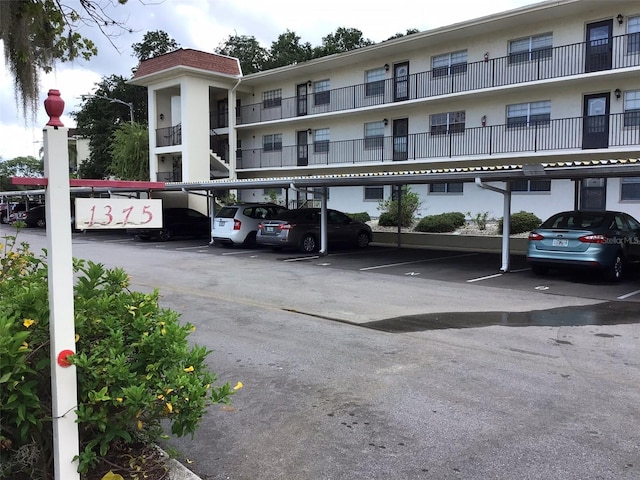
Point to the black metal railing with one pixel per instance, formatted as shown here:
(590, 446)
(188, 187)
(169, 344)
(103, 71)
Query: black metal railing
(563, 61)
(578, 133)
(169, 136)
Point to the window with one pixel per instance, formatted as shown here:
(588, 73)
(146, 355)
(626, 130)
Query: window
(272, 143)
(272, 98)
(630, 188)
(536, 47)
(527, 114)
(632, 108)
(270, 191)
(321, 140)
(450, 187)
(452, 122)
(373, 193)
(374, 82)
(449, 64)
(633, 35)
(531, 186)
(373, 135)
(322, 95)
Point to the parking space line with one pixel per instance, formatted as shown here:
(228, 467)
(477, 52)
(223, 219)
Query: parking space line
(496, 275)
(520, 270)
(191, 248)
(417, 261)
(297, 259)
(624, 297)
(240, 252)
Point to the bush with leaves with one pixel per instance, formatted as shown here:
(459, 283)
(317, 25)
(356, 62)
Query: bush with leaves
(521, 222)
(360, 217)
(409, 206)
(442, 223)
(136, 370)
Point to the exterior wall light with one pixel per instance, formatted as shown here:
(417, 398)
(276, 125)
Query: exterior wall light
(162, 116)
(386, 67)
(620, 19)
(386, 122)
(617, 92)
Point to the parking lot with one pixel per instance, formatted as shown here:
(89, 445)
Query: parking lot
(473, 268)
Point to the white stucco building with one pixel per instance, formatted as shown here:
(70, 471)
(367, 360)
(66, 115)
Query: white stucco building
(549, 94)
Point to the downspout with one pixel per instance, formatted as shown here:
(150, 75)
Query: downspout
(323, 216)
(233, 142)
(506, 220)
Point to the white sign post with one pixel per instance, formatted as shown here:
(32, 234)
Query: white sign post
(64, 387)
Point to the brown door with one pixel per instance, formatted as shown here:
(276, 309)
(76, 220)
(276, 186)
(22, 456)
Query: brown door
(401, 81)
(301, 99)
(595, 129)
(303, 148)
(599, 45)
(400, 138)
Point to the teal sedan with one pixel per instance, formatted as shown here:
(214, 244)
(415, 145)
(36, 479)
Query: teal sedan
(604, 240)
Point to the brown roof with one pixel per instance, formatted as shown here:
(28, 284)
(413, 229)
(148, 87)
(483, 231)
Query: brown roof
(189, 58)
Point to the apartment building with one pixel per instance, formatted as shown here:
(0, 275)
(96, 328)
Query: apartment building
(548, 94)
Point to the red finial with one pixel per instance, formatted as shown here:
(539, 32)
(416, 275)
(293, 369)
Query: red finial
(54, 106)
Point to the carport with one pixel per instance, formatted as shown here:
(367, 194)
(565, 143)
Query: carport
(482, 176)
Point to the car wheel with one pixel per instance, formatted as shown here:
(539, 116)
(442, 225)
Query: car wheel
(539, 269)
(309, 244)
(41, 223)
(362, 240)
(165, 234)
(250, 241)
(615, 271)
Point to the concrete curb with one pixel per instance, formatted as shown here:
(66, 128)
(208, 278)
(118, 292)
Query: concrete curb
(437, 241)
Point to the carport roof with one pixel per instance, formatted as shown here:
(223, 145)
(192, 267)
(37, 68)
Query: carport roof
(629, 167)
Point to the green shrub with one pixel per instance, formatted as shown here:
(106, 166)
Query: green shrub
(136, 371)
(521, 222)
(389, 208)
(360, 216)
(457, 218)
(436, 224)
(480, 219)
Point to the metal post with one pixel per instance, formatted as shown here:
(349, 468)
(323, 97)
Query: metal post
(60, 270)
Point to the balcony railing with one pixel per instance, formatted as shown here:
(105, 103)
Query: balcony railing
(569, 60)
(169, 136)
(619, 130)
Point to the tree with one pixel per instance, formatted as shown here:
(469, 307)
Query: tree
(99, 118)
(410, 31)
(19, 167)
(154, 44)
(287, 50)
(247, 50)
(37, 33)
(130, 152)
(343, 40)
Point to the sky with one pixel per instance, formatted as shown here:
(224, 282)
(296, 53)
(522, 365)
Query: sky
(204, 25)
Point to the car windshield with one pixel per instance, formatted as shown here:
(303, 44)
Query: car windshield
(227, 212)
(576, 221)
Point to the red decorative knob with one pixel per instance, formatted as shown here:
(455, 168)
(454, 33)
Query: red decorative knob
(63, 358)
(54, 106)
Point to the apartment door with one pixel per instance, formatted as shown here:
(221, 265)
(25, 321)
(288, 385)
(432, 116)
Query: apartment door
(593, 194)
(599, 46)
(303, 148)
(595, 126)
(401, 81)
(301, 99)
(400, 138)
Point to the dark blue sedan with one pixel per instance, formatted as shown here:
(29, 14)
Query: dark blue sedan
(604, 240)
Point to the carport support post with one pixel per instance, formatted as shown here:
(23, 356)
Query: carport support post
(399, 214)
(506, 219)
(323, 222)
(64, 390)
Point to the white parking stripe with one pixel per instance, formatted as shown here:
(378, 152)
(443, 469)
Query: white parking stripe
(624, 297)
(417, 261)
(297, 259)
(485, 278)
(241, 252)
(191, 248)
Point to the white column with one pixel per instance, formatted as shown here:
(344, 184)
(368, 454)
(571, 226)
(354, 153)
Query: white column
(61, 319)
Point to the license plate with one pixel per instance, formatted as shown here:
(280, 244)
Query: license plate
(560, 242)
(269, 229)
(221, 223)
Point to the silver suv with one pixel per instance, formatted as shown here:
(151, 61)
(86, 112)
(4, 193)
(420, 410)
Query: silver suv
(238, 223)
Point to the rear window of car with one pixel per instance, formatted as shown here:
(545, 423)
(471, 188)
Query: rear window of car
(297, 215)
(575, 221)
(227, 212)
